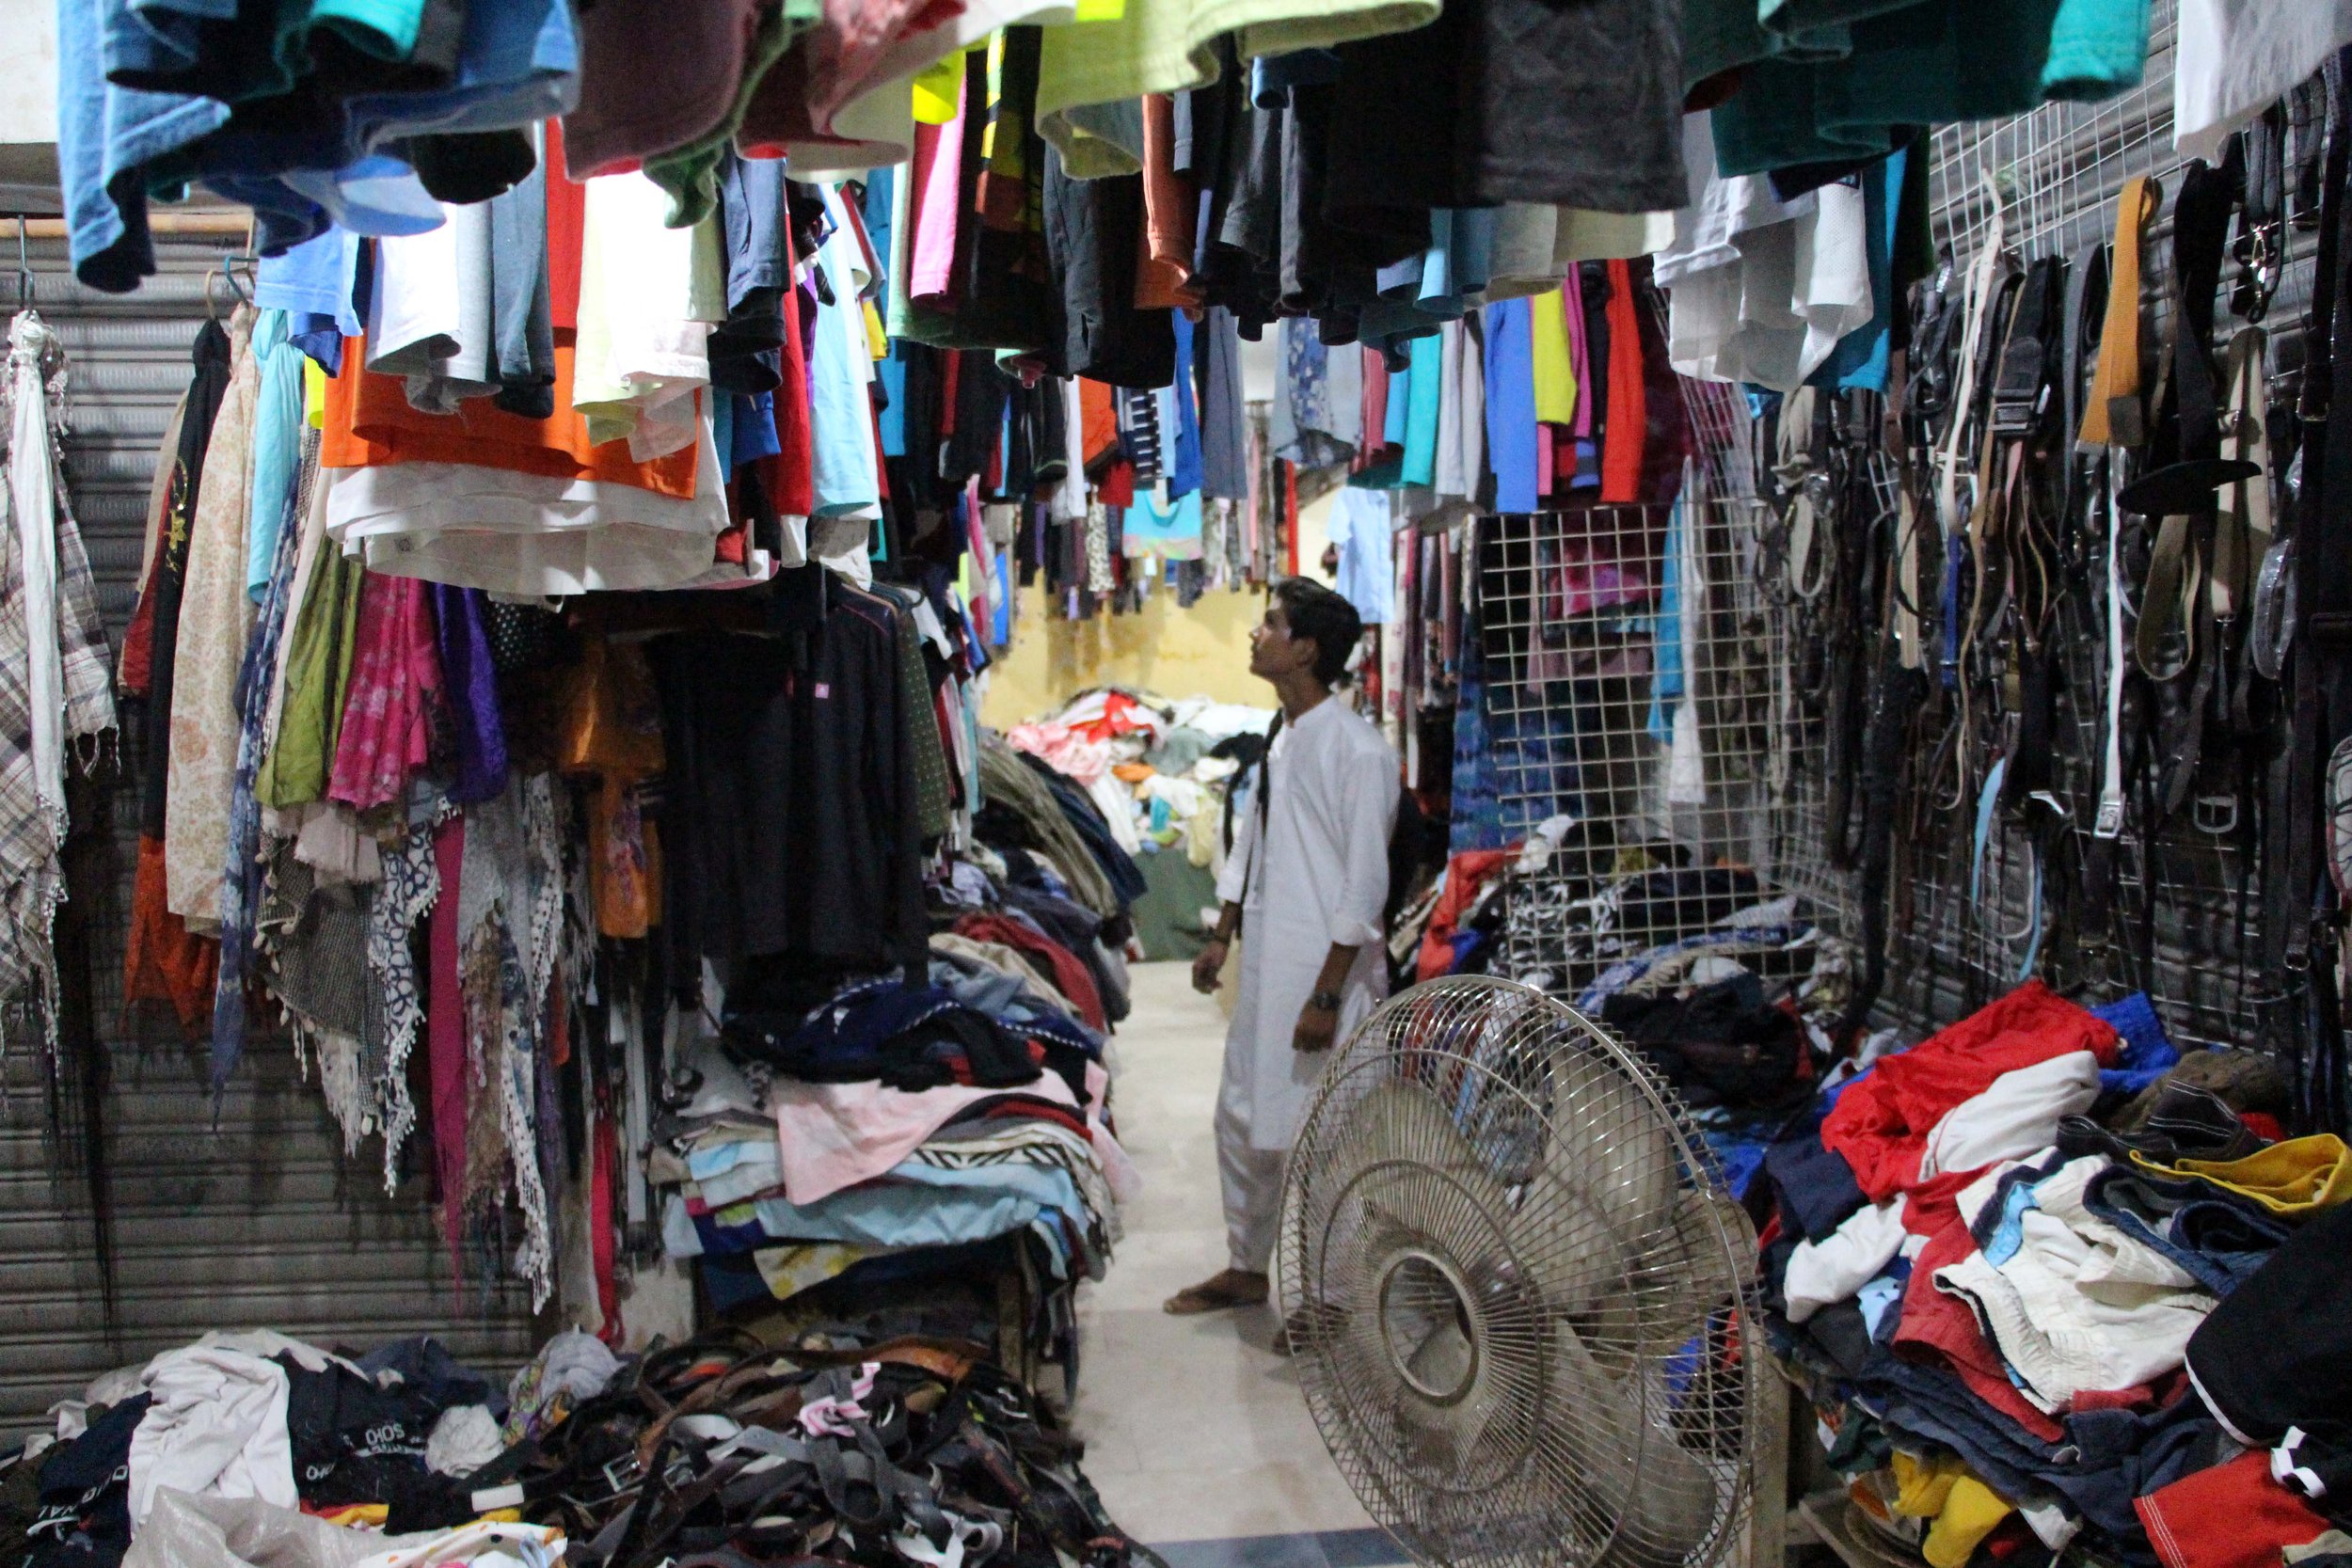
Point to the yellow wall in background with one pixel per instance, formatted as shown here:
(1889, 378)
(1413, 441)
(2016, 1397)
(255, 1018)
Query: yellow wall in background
(1200, 652)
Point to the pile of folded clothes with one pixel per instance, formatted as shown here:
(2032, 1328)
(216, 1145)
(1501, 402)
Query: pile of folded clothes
(252, 1448)
(2053, 1284)
(889, 1134)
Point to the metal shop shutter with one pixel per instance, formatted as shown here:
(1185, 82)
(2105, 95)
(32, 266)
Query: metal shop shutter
(259, 1220)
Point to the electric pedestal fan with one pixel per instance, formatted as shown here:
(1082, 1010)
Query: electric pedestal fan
(1517, 1294)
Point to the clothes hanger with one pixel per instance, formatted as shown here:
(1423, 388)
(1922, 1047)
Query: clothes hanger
(229, 263)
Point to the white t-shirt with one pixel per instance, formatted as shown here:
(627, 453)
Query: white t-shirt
(1760, 290)
(2235, 57)
(649, 296)
(429, 312)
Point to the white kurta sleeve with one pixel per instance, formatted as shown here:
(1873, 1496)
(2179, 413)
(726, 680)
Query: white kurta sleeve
(1367, 796)
(1232, 884)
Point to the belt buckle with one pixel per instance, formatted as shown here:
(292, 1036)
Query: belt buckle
(2110, 823)
(624, 1474)
(2216, 814)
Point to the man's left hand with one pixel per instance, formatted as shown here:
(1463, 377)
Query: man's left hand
(1318, 1027)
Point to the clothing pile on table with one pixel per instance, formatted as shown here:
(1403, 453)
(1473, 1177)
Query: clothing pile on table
(922, 1123)
(2046, 1279)
(251, 1446)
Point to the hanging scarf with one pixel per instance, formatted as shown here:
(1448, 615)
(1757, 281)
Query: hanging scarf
(470, 680)
(241, 881)
(410, 890)
(394, 694)
(211, 636)
(510, 909)
(55, 685)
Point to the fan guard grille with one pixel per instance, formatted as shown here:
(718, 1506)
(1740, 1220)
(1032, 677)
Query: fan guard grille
(1518, 1292)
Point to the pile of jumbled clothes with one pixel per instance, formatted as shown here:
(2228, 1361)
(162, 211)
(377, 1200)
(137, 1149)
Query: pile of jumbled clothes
(1158, 770)
(252, 1448)
(1728, 988)
(2052, 1282)
(1046, 860)
(1578, 912)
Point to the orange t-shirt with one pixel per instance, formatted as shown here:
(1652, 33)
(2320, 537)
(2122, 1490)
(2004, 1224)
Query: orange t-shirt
(369, 423)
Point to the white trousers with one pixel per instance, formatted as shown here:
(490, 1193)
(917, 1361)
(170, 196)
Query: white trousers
(1251, 1180)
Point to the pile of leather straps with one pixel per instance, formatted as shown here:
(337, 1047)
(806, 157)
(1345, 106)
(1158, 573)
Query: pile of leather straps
(2075, 600)
(726, 1452)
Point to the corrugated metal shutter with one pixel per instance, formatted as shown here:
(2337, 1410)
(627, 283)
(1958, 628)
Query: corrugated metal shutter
(257, 1220)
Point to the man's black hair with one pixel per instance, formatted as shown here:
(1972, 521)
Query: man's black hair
(1325, 618)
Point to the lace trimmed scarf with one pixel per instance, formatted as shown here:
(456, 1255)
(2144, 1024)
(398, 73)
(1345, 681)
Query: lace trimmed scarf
(55, 684)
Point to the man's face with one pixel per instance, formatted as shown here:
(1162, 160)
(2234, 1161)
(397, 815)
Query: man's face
(1272, 649)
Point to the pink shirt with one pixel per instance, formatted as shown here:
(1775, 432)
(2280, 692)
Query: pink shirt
(937, 172)
(835, 1135)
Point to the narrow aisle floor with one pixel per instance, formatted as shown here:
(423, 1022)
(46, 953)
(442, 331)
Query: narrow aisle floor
(1196, 1430)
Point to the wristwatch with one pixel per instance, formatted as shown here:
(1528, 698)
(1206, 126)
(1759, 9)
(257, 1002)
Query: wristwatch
(1324, 1001)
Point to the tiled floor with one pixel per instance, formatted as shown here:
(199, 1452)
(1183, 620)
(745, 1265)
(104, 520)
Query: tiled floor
(1196, 1433)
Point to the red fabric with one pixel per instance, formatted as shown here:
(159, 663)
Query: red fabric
(1119, 718)
(1880, 1123)
(2231, 1516)
(600, 1246)
(568, 211)
(1465, 874)
(950, 383)
(791, 474)
(1375, 404)
(1098, 423)
(1289, 511)
(1062, 965)
(139, 645)
(1563, 459)
(1116, 487)
(137, 669)
(1037, 1110)
(1629, 405)
(734, 541)
(2263, 1125)
(164, 963)
(1939, 1328)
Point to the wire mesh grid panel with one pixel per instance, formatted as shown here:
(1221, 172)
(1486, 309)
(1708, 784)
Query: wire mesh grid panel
(1630, 704)
(1985, 892)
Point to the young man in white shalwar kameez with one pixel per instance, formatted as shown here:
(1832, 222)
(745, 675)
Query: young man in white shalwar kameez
(1307, 884)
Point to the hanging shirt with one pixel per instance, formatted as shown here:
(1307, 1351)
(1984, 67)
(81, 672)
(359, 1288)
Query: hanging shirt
(649, 296)
(1511, 427)
(840, 372)
(210, 638)
(1170, 45)
(1316, 874)
(1760, 290)
(277, 426)
(1360, 527)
